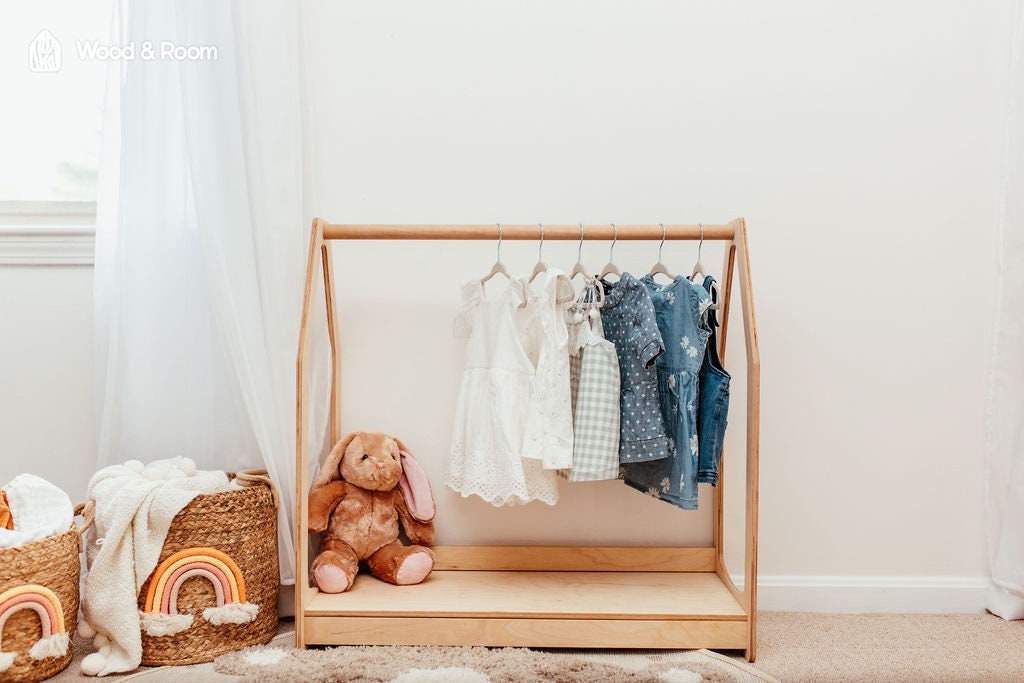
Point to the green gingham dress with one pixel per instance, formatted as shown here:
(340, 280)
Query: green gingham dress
(594, 384)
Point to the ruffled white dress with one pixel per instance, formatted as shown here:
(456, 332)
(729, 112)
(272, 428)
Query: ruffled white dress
(549, 431)
(494, 399)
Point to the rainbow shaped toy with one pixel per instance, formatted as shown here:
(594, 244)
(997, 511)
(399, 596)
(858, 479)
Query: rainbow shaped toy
(160, 615)
(45, 603)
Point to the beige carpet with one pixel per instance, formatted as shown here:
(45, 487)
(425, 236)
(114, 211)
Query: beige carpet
(797, 646)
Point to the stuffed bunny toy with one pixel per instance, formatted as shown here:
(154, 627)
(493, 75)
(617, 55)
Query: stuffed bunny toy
(370, 482)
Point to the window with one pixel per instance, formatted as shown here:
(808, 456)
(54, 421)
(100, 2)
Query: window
(52, 106)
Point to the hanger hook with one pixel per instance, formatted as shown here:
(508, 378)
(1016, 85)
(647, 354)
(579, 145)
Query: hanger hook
(499, 242)
(540, 247)
(579, 249)
(662, 245)
(700, 245)
(615, 238)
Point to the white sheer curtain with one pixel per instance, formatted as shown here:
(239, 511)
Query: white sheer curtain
(1005, 457)
(201, 243)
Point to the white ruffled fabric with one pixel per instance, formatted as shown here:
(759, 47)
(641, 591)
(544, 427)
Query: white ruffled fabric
(494, 398)
(548, 433)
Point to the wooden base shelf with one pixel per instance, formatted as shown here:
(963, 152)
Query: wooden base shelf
(534, 608)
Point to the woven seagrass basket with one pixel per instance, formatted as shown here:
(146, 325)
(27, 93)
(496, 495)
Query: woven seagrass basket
(221, 549)
(39, 603)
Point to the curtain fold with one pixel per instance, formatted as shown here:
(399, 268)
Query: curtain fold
(1004, 476)
(201, 243)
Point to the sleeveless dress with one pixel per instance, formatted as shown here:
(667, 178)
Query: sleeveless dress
(594, 383)
(545, 338)
(713, 409)
(494, 397)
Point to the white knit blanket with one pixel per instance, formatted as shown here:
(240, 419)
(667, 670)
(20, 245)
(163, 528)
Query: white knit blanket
(134, 508)
(39, 508)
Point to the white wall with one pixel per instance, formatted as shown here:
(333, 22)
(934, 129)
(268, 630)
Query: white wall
(862, 143)
(46, 375)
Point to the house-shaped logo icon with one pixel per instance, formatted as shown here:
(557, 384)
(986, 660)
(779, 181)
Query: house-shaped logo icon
(44, 53)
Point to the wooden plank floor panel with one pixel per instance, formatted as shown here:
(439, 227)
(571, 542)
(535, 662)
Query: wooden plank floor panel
(540, 595)
(495, 632)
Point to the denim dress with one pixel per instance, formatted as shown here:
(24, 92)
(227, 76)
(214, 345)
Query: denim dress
(628, 320)
(713, 410)
(681, 310)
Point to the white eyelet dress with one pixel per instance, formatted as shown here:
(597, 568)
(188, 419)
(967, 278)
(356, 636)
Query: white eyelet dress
(494, 395)
(549, 432)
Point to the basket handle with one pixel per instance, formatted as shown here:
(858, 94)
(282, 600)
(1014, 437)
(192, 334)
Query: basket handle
(257, 478)
(87, 511)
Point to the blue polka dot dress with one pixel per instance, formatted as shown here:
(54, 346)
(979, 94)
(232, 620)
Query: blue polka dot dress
(629, 322)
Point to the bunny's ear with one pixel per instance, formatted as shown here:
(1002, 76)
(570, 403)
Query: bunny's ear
(329, 469)
(415, 486)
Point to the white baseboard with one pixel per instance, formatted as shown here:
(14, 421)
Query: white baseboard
(858, 594)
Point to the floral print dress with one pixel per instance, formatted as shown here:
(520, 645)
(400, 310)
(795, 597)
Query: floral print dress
(681, 311)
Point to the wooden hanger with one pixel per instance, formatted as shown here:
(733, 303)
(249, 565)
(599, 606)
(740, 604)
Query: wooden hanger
(610, 268)
(716, 299)
(579, 268)
(660, 267)
(590, 283)
(541, 267)
(563, 283)
(698, 268)
(498, 268)
(698, 273)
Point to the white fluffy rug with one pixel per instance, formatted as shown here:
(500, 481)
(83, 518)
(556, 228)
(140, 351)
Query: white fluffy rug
(403, 664)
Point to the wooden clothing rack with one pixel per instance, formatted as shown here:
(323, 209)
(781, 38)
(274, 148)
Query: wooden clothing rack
(544, 596)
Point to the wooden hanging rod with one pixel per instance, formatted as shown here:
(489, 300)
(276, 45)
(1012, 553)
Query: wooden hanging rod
(530, 231)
